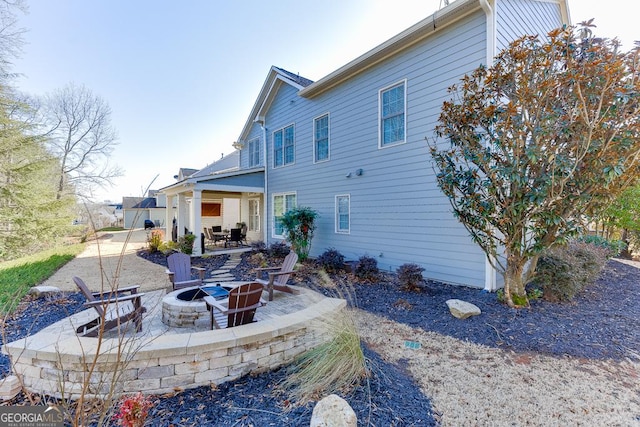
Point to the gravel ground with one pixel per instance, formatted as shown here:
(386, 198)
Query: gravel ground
(602, 324)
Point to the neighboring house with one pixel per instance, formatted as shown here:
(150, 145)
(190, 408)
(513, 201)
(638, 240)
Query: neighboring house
(352, 145)
(137, 209)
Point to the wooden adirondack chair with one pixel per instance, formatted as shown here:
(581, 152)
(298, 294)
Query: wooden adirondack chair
(241, 306)
(179, 271)
(113, 307)
(278, 276)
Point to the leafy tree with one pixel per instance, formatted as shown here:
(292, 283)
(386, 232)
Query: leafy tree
(299, 225)
(624, 214)
(547, 134)
(79, 132)
(31, 217)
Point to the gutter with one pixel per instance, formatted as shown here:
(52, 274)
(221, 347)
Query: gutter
(409, 37)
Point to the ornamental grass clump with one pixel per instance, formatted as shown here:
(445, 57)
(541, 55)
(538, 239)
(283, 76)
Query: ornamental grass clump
(334, 366)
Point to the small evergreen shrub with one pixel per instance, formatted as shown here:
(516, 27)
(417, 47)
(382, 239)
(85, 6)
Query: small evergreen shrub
(562, 272)
(278, 250)
(410, 276)
(331, 260)
(185, 243)
(367, 269)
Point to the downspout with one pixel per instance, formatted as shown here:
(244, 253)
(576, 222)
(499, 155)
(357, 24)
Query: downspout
(490, 273)
(266, 180)
(491, 29)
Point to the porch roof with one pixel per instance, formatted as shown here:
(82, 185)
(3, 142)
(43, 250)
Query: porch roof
(246, 180)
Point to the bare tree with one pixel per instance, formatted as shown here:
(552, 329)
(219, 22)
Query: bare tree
(80, 134)
(11, 40)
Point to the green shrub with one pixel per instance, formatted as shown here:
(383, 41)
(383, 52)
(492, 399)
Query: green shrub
(168, 247)
(331, 260)
(367, 269)
(562, 272)
(299, 225)
(185, 243)
(613, 247)
(410, 276)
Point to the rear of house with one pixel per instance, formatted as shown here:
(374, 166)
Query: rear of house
(354, 145)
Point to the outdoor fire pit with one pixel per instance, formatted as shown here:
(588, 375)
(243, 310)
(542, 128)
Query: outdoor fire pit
(186, 308)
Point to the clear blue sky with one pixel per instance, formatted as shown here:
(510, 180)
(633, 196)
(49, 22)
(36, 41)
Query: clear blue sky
(181, 76)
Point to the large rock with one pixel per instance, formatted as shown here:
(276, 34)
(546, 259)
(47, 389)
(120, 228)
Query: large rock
(333, 411)
(9, 387)
(462, 309)
(43, 291)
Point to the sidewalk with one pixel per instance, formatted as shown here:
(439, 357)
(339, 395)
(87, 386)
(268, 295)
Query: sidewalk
(107, 260)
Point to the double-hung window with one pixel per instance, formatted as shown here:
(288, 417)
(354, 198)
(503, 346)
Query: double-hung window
(393, 113)
(254, 152)
(254, 215)
(343, 214)
(283, 146)
(282, 203)
(321, 138)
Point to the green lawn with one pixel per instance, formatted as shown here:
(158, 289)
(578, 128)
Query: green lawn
(17, 276)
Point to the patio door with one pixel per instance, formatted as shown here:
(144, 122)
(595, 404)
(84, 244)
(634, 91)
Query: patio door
(230, 213)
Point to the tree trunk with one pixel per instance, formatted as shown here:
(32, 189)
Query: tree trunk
(514, 284)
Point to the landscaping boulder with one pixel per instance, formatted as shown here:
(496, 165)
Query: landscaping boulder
(462, 309)
(9, 387)
(43, 291)
(333, 411)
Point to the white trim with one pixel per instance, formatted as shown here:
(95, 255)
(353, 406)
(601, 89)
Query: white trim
(273, 214)
(402, 82)
(315, 146)
(273, 146)
(337, 217)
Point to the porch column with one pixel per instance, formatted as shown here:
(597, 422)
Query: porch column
(168, 218)
(182, 214)
(195, 218)
(244, 208)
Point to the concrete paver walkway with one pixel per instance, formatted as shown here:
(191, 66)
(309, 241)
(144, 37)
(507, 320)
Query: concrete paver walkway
(112, 259)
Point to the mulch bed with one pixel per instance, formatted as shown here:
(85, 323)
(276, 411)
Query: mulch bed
(603, 322)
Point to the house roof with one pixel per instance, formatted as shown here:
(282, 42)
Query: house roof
(138, 202)
(276, 77)
(412, 35)
(227, 163)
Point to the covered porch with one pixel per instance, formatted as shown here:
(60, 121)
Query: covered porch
(222, 199)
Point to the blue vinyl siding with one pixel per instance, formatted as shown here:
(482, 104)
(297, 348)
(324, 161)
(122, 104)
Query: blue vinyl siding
(397, 214)
(541, 17)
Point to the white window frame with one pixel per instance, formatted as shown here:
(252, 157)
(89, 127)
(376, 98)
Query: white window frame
(381, 118)
(315, 141)
(273, 210)
(253, 145)
(337, 216)
(256, 215)
(293, 145)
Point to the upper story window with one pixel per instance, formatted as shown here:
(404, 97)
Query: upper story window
(393, 112)
(282, 203)
(283, 146)
(321, 138)
(343, 214)
(253, 147)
